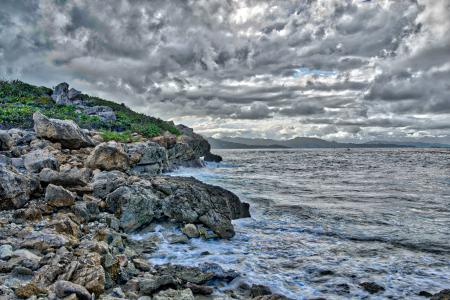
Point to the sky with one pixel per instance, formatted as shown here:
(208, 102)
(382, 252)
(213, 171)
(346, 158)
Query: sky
(345, 70)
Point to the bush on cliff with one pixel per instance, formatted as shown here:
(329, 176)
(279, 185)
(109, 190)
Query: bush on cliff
(19, 100)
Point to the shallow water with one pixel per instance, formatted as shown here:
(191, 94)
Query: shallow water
(324, 218)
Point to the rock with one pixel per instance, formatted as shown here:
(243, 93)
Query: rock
(147, 158)
(212, 157)
(425, 294)
(37, 160)
(182, 155)
(171, 294)
(199, 289)
(372, 287)
(106, 113)
(218, 271)
(142, 264)
(152, 283)
(92, 277)
(65, 132)
(137, 205)
(6, 142)
(6, 252)
(15, 188)
(259, 290)
(189, 200)
(73, 94)
(278, 297)
(65, 288)
(442, 295)
(60, 93)
(191, 231)
(104, 183)
(57, 196)
(68, 178)
(30, 289)
(185, 273)
(87, 211)
(108, 156)
(44, 240)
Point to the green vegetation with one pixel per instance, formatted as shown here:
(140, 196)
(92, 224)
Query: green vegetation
(124, 137)
(19, 100)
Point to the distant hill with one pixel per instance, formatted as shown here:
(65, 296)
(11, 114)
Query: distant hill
(298, 142)
(413, 144)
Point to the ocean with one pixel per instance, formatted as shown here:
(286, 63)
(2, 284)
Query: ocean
(326, 220)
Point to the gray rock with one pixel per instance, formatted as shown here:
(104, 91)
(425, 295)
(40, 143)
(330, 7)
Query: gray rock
(66, 288)
(171, 294)
(5, 160)
(60, 93)
(57, 196)
(65, 132)
(6, 142)
(108, 156)
(182, 155)
(191, 231)
(73, 94)
(147, 158)
(15, 188)
(69, 177)
(106, 113)
(18, 162)
(6, 252)
(151, 283)
(104, 183)
(39, 159)
(88, 211)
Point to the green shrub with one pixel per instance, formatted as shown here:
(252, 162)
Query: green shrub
(123, 137)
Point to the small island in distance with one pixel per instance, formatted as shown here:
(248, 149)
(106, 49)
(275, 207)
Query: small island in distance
(306, 142)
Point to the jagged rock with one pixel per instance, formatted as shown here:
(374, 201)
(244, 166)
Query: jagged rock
(166, 140)
(44, 240)
(259, 290)
(212, 157)
(185, 274)
(104, 112)
(147, 158)
(15, 188)
(442, 295)
(87, 210)
(191, 201)
(108, 156)
(199, 145)
(69, 177)
(171, 294)
(104, 183)
(65, 132)
(6, 142)
(60, 93)
(182, 155)
(372, 287)
(219, 272)
(191, 231)
(30, 289)
(137, 205)
(57, 196)
(152, 283)
(199, 289)
(73, 94)
(91, 275)
(65, 288)
(37, 160)
(142, 264)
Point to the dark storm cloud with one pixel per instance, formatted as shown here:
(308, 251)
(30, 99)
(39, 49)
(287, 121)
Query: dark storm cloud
(373, 65)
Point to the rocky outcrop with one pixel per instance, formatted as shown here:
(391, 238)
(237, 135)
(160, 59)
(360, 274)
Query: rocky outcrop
(65, 132)
(108, 156)
(106, 113)
(147, 158)
(60, 93)
(198, 144)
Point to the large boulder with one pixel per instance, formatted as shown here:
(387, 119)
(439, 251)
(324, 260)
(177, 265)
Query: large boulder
(73, 94)
(108, 156)
(61, 93)
(104, 183)
(6, 141)
(15, 188)
(39, 159)
(68, 177)
(147, 158)
(65, 132)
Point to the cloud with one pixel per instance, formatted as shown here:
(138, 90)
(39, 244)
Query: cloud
(340, 69)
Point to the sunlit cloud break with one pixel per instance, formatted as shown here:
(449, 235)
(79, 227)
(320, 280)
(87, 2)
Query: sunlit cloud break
(314, 72)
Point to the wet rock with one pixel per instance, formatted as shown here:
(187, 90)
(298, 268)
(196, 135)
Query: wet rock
(108, 156)
(218, 271)
(57, 196)
(199, 289)
(442, 295)
(277, 297)
(182, 155)
(65, 288)
(171, 294)
(60, 93)
(191, 231)
(6, 252)
(259, 290)
(68, 177)
(152, 283)
(372, 287)
(37, 160)
(65, 132)
(142, 264)
(185, 273)
(6, 142)
(30, 289)
(15, 188)
(425, 294)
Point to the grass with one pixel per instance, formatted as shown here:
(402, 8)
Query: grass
(124, 137)
(19, 100)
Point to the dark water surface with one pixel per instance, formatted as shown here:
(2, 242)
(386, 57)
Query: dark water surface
(325, 220)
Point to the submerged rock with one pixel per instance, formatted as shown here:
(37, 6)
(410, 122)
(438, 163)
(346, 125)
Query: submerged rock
(372, 287)
(65, 132)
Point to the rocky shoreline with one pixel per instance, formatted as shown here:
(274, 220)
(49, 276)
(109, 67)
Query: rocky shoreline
(70, 201)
